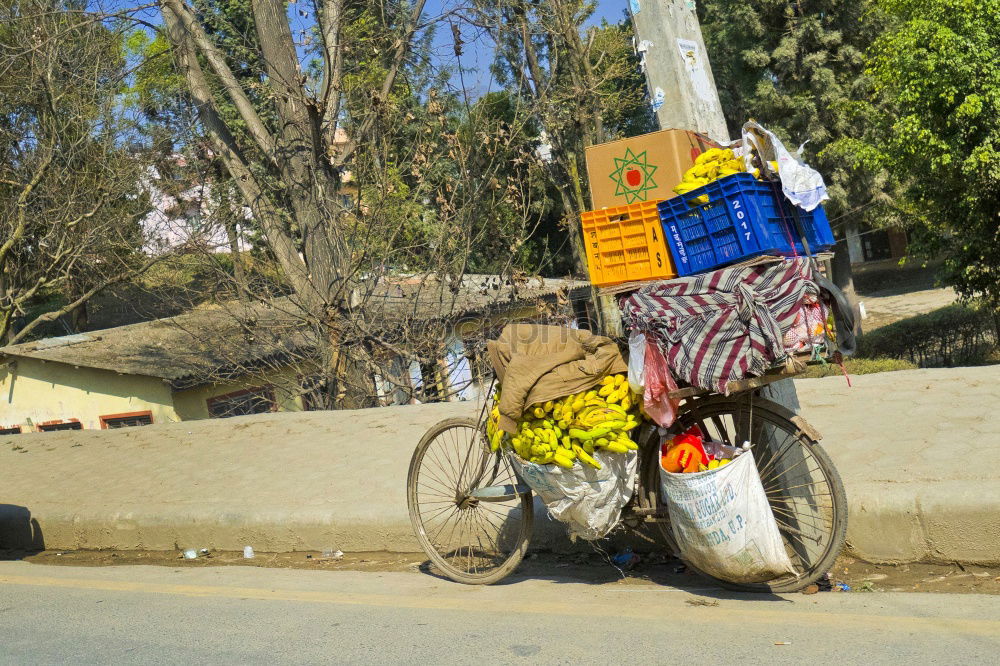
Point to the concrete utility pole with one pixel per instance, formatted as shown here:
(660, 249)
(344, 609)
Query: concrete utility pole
(683, 94)
(678, 73)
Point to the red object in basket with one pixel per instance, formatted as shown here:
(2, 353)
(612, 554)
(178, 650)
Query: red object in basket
(684, 452)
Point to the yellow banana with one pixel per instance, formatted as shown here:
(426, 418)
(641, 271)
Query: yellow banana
(562, 461)
(607, 389)
(707, 156)
(585, 457)
(621, 409)
(495, 441)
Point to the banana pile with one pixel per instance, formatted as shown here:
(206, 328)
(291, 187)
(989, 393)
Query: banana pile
(567, 431)
(711, 165)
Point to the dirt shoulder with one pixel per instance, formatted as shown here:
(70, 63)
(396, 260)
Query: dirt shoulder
(653, 569)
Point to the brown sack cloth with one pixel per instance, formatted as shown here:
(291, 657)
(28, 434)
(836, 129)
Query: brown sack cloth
(536, 363)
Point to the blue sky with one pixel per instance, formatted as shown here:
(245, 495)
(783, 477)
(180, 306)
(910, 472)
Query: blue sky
(477, 55)
(475, 59)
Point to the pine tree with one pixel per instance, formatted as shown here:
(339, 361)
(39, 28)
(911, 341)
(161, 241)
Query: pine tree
(798, 68)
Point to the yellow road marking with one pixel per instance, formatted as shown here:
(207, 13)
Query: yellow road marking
(635, 609)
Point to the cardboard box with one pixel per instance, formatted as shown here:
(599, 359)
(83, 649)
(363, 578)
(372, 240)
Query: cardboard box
(642, 168)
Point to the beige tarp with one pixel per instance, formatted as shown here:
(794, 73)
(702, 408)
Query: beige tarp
(536, 363)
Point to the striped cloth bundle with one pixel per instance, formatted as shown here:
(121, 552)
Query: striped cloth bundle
(723, 325)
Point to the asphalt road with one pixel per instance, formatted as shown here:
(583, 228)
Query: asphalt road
(249, 615)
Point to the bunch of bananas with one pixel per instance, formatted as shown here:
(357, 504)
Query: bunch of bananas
(711, 165)
(565, 431)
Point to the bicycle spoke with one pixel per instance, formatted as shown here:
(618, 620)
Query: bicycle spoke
(443, 525)
(442, 490)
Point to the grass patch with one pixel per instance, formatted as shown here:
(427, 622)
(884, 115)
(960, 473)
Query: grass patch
(859, 366)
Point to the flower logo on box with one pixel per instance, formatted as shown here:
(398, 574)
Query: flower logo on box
(633, 176)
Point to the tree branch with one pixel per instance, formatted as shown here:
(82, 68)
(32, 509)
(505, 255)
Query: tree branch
(217, 62)
(395, 65)
(87, 295)
(225, 145)
(330, 18)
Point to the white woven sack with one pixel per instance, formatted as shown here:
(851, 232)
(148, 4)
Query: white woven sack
(723, 523)
(588, 500)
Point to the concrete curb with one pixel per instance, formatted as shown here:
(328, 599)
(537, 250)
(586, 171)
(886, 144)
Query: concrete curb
(937, 521)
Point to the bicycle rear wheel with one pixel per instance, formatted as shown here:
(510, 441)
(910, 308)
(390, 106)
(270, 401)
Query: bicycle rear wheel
(803, 487)
(469, 512)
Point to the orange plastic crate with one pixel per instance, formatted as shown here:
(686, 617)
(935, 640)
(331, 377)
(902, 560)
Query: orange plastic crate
(625, 243)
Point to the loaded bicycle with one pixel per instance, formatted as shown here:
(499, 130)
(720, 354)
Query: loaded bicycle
(473, 515)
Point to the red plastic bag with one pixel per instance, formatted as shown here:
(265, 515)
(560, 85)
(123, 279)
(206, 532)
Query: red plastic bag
(659, 383)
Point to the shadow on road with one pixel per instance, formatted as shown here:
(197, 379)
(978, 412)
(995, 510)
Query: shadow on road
(664, 571)
(20, 534)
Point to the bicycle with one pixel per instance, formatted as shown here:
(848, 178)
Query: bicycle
(473, 516)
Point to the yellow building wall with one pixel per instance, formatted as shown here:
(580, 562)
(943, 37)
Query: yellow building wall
(193, 403)
(33, 392)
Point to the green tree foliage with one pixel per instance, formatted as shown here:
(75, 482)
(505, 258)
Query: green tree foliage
(798, 68)
(937, 80)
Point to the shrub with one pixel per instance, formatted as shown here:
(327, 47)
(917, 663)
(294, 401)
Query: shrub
(950, 336)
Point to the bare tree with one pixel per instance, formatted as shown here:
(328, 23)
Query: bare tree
(69, 201)
(434, 179)
(581, 83)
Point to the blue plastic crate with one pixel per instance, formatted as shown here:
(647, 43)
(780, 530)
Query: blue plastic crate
(780, 211)
(743, 218)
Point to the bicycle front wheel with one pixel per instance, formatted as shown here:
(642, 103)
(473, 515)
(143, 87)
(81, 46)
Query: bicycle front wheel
(469, 512)
(803, 487)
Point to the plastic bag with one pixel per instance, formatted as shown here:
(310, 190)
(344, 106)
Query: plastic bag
(659, 383)
(637, 361)
(588, 500)
(808, 328)
(802, 184)
(723, 523)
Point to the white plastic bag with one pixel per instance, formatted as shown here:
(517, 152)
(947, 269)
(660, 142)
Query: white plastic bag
(637, 361)
(802, 184)
(723, 523)
(588, 500)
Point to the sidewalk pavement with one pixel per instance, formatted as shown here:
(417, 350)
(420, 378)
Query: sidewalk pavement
(919, 452)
